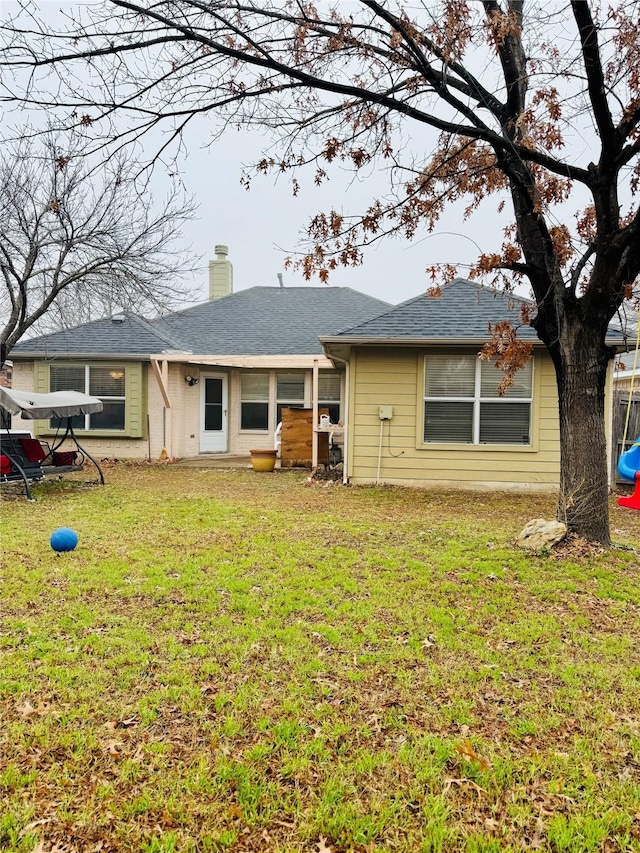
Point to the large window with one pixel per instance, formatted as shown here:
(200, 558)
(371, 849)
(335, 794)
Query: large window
(289, 392)
(329, 393)
(254, 401)
(106, 383)
(462, 404)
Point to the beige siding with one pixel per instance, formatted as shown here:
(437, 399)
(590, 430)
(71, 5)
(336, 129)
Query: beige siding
(395, 377)
(179, 430)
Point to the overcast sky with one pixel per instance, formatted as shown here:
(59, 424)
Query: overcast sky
(263, 225)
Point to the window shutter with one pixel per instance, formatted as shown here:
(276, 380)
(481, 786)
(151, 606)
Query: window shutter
(41, 377)
(41, 386)
(135, 409)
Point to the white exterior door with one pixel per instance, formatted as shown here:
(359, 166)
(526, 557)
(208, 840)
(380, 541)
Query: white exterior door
(213, 413)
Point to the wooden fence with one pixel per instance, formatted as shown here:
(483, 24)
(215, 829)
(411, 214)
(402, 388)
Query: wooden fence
(620, 408)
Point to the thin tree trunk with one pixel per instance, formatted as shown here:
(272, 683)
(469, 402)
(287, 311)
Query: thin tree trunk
(581, 370)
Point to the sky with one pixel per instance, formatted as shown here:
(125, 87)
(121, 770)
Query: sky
(264, 225)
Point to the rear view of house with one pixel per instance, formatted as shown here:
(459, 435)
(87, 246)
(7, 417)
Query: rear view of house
(424, 410)
(210, 379)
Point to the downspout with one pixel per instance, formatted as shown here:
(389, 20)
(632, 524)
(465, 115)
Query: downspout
(345, 435)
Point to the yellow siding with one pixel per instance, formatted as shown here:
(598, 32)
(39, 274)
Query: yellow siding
(382, 376)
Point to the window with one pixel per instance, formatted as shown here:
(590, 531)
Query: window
(462, 405)
(289, 392)
(106, 383)
(329, 393)
(254, 401)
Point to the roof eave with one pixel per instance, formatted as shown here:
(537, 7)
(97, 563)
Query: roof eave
(353, 341)
(74, 356)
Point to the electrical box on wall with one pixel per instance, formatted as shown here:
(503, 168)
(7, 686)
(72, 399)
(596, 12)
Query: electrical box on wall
(386, 413)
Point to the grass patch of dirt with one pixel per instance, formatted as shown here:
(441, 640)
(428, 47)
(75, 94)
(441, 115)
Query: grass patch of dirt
(232, 661)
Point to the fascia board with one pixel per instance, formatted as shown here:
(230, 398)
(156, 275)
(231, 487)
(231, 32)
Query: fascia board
(248, 361)
(409, 342)
(84, 356)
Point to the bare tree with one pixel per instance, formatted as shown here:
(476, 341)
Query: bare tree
(536, 105)
(78, 241)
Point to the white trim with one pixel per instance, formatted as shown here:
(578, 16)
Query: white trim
(477, 400)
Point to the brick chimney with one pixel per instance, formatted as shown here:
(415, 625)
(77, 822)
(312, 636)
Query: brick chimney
(220, 274)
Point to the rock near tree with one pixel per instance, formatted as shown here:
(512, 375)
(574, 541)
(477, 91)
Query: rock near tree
(540, 534)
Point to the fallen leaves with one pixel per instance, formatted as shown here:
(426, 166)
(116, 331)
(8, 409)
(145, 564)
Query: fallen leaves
(41, 709)
(128, 723)
(466, 750)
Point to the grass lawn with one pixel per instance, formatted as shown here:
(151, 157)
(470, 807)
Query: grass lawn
(232, 661)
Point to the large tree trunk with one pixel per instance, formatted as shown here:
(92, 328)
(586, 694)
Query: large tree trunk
(581, 360)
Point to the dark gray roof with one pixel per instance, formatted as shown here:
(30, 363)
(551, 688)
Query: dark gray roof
(126, 334)
(258, 321)
(462, 312)
(270, 320)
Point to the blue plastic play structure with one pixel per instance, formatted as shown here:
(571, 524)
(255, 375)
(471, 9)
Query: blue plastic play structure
(629, 468)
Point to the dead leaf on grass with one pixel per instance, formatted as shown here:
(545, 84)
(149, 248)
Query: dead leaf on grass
(537, 840)
(467, 751)
(41, 709)
(114, 748)
(34, 823)
(463, 782)
(112, 725)
(234, 813)
(322, 846)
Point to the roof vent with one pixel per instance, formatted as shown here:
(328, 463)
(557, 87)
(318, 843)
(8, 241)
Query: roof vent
(118, 318)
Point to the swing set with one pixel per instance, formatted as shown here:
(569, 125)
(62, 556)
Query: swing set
(629, 461)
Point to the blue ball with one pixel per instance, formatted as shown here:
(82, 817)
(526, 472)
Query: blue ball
(64, 539)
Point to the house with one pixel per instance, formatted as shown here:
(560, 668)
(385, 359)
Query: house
(209, 379)
(424, 410)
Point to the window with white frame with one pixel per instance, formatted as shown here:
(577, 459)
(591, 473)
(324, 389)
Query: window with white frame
(106, 383)
(462, 404)
(254, 401)
(289, 392)
(329, 393)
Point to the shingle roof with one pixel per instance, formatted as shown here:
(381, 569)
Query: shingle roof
(125, 334)
(270, 320)
(461, 313)
(257, 321)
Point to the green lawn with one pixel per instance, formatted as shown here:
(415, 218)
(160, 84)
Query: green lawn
(232, 661)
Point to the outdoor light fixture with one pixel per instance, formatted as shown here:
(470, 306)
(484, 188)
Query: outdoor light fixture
(191, 380)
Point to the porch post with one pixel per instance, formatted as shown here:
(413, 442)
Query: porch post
(314, 404)
(161, 372)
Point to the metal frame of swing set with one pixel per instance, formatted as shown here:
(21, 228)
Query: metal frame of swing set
(23, 457)
(629, 461)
